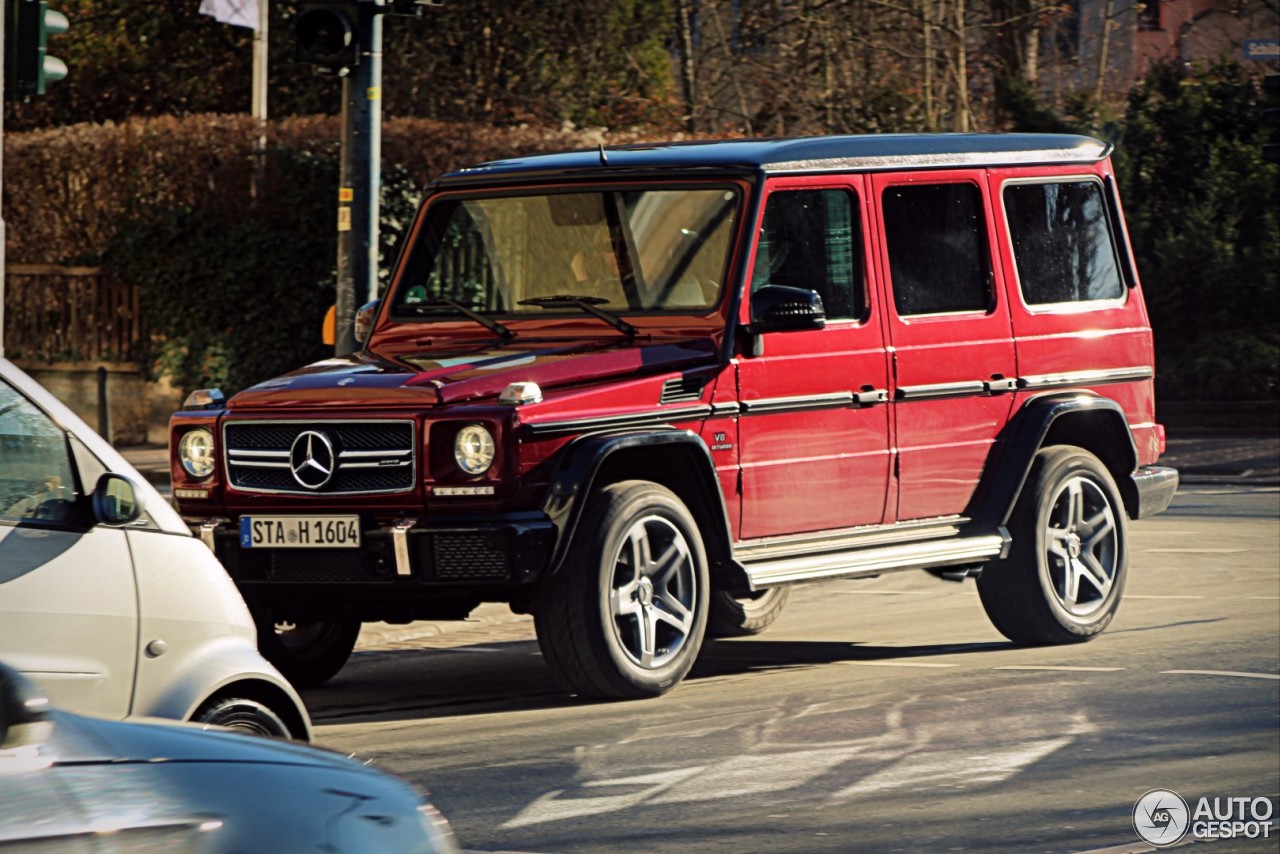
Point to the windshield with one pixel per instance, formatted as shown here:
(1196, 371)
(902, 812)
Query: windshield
(626, 250)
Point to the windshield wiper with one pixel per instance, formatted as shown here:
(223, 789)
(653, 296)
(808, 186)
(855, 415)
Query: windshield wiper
(487, 322)
(587, 304)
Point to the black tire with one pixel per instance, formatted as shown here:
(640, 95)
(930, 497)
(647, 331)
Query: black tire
(625, 616)
(1067, 566)
(737, 616)
(243, 714)
(307, 654)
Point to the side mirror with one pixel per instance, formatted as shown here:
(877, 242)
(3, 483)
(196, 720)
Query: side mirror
(364, 320)
(779, 308)
(115, 500)
(24, 711)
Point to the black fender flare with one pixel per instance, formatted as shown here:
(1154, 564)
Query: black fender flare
(582, 461)
(1027, 432)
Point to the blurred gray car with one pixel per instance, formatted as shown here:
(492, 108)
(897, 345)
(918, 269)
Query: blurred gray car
(78, 784)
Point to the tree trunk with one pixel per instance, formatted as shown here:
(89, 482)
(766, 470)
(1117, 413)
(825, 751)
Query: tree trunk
(1100, 84)
(688, 67)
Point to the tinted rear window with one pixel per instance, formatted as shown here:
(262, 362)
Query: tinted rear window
(1062, 242)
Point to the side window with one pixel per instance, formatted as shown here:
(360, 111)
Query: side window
(937, 240)
(1062, 242)
(813, 239)
(37, 481)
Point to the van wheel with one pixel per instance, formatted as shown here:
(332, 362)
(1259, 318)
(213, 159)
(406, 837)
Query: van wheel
(307, 654)
(736, 616)
(243, 714)
(625, 616)
(1068, 562)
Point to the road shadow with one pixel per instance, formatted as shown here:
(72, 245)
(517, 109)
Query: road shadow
(511, 676)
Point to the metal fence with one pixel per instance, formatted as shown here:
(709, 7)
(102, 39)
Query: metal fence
(73, 314)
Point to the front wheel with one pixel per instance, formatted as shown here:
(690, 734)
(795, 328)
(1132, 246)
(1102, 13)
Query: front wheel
(1068, 562)
(307, 654)
(625, 616)
(244, 715)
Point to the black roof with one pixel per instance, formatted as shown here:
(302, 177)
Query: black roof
(873, 152)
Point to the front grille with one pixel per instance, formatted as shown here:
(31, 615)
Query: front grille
(349, 457)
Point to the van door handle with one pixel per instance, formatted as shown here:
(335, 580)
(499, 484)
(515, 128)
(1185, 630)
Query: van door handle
(870, 395)
(998, 384)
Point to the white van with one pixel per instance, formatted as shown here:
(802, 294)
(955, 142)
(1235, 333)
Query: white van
(106, 600)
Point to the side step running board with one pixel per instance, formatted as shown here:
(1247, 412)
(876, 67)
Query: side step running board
(874, 560)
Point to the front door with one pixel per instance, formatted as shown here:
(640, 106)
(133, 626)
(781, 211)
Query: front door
(68, 607)
(814, 432)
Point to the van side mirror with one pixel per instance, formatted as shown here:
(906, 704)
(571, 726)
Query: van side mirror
(364, 320)
(24, 711)
(115, 500)
(780, 308)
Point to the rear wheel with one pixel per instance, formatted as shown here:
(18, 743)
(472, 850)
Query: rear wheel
(625, 616)
(1068, 562)
(307, 654)
(736, 616)
(243, 714)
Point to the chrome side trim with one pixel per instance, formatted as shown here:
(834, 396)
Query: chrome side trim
(1086, 378)
(967, 388)
(834, 400)
(873, 561)
(723, 409)
(661, 418)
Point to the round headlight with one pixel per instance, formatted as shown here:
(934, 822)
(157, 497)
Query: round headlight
(195, 452)
(473, 449)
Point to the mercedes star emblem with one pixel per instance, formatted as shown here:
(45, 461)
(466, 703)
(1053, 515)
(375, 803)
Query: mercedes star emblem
(311, 459)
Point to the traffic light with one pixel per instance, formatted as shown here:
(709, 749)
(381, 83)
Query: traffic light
(327, 35)
(28, 68)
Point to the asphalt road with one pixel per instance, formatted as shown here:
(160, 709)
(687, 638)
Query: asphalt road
(876, 715)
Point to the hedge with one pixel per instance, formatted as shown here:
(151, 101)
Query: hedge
(234, 252)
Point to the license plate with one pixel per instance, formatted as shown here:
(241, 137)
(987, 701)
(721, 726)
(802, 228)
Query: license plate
(300, 532)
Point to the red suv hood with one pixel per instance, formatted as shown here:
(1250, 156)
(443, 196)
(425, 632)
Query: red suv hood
(466, 372)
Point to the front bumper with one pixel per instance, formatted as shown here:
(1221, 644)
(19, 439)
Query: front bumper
(461, 552)
(1155, 486)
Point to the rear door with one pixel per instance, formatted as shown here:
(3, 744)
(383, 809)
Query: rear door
(1077, 315)
(68, 607)
(954, 366)
(813, 457)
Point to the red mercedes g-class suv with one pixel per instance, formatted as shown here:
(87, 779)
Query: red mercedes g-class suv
(638, 391)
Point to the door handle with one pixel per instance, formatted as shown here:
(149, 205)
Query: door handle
(870, 396)
(998, 384)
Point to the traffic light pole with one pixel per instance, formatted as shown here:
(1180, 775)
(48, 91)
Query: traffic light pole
(360, 179)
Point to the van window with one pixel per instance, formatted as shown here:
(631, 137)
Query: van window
(1062, 242)
(36, 478)
(813, 239)
(937, 242)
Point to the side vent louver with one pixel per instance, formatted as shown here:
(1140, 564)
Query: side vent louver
(684, 389)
